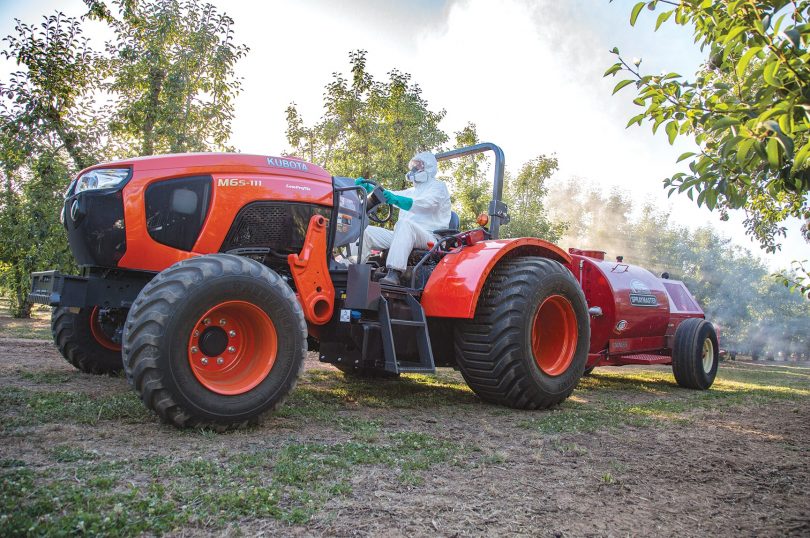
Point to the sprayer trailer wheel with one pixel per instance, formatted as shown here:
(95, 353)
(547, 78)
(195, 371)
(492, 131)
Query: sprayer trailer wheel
(528, 343)
(215, 341)
(695, 354)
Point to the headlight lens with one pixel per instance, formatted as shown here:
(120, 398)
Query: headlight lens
(102, 178)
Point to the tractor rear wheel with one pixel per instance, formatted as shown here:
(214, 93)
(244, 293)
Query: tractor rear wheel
(215, 341)
(695, 354)
(528, 343)
(87, 340)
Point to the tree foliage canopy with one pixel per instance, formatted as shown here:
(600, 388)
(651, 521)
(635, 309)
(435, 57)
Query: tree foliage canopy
(370, 128)
(747, 107)
(169, 75)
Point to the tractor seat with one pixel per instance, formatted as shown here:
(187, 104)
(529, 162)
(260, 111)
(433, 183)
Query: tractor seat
(452, 227)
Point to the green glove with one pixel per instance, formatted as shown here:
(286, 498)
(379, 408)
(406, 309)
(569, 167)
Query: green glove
(400, 201)
(361, 182)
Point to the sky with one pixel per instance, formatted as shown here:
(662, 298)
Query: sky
(527, 73)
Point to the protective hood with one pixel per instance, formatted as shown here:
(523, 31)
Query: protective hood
(428, 172)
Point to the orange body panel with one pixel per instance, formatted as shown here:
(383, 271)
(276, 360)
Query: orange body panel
(453, 289)
(237, 180)
(310, 270)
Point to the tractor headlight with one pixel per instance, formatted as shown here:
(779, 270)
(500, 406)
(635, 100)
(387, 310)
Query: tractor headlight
(102, 178)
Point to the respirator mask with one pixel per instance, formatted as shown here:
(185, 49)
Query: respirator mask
(417, 174)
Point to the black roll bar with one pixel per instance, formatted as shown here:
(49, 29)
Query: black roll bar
(497, 209)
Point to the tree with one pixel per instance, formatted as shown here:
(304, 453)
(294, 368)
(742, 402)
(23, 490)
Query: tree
(49, 104)
(525, 196)
(467, 179)
(755, 313)
(51, 125)
(747, 108)
(174, 82)
(369, 128)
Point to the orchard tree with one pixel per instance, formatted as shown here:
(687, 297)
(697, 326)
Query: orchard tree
(525, 195)
(174, 82)
(370, 128)
(49, 103)
(467, 179)
(747, 108)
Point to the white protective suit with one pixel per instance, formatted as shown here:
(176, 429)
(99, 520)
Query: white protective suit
(414, 228)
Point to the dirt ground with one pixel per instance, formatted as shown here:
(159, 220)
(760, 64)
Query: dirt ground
(629, 454)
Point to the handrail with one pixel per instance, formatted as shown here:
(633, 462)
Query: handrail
(497, 210)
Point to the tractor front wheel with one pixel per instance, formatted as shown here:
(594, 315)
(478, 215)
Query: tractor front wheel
(528, 343)
(216, 341)
(695, 354)
(89, 338)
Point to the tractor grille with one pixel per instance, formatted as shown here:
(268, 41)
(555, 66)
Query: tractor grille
(280, 226)
(261, 225)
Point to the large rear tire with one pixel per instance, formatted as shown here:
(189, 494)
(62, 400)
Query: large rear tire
(84, 340)
(695, 354)
(528, 343)
(215, 341)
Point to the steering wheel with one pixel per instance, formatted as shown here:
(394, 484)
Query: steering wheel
(374, 201)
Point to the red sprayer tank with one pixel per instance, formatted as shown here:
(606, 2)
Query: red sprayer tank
(633, 316)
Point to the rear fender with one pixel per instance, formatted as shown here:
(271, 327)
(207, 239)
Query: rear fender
(454, 286)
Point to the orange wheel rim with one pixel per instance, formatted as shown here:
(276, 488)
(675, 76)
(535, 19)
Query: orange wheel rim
(232, 347)
(98, 331)
(554, 335)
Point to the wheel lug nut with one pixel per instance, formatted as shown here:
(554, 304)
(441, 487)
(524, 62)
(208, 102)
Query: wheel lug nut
(232, 334)
(232, 349)
(207, 321)
(220, 360)
(196, 333)
(204, 361)
(194, 349)
(222, 321)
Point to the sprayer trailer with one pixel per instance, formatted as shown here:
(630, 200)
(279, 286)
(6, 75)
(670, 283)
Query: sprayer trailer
(206, 277)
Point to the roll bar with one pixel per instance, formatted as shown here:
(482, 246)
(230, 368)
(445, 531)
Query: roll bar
(497, 209)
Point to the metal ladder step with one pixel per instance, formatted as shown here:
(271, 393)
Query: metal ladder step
(419, 324)
(407, 323)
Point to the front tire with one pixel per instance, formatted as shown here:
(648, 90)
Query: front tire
(695, 354)
(84, 340)
(528, 343)
(215, 341)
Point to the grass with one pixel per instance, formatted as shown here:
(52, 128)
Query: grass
(601, 401)
(227, 479)
(37, 328)
(156, 494)
(25, 407)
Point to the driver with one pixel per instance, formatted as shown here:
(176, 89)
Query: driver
(424, 207)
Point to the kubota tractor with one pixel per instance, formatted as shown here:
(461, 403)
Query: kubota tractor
(210, 274)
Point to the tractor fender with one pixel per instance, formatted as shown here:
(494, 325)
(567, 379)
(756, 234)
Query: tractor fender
(454, 286)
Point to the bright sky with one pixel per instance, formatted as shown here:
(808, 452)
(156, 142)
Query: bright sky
(528, 74)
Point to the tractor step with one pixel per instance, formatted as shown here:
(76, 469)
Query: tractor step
(418, 323)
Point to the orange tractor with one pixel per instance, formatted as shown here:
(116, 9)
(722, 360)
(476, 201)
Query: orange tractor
(211, 274)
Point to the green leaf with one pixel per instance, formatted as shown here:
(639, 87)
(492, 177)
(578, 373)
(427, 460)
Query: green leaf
(733, 34)
(743, 149)
(724, 122)
(613, 69)
(621, 85)
(769, 73)
(635, 119)
(672, 131)
(801, 157)
(685, 156)
(794, 36)
(746, 58)
(772, 150)
(634, 14)
(662, 18)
